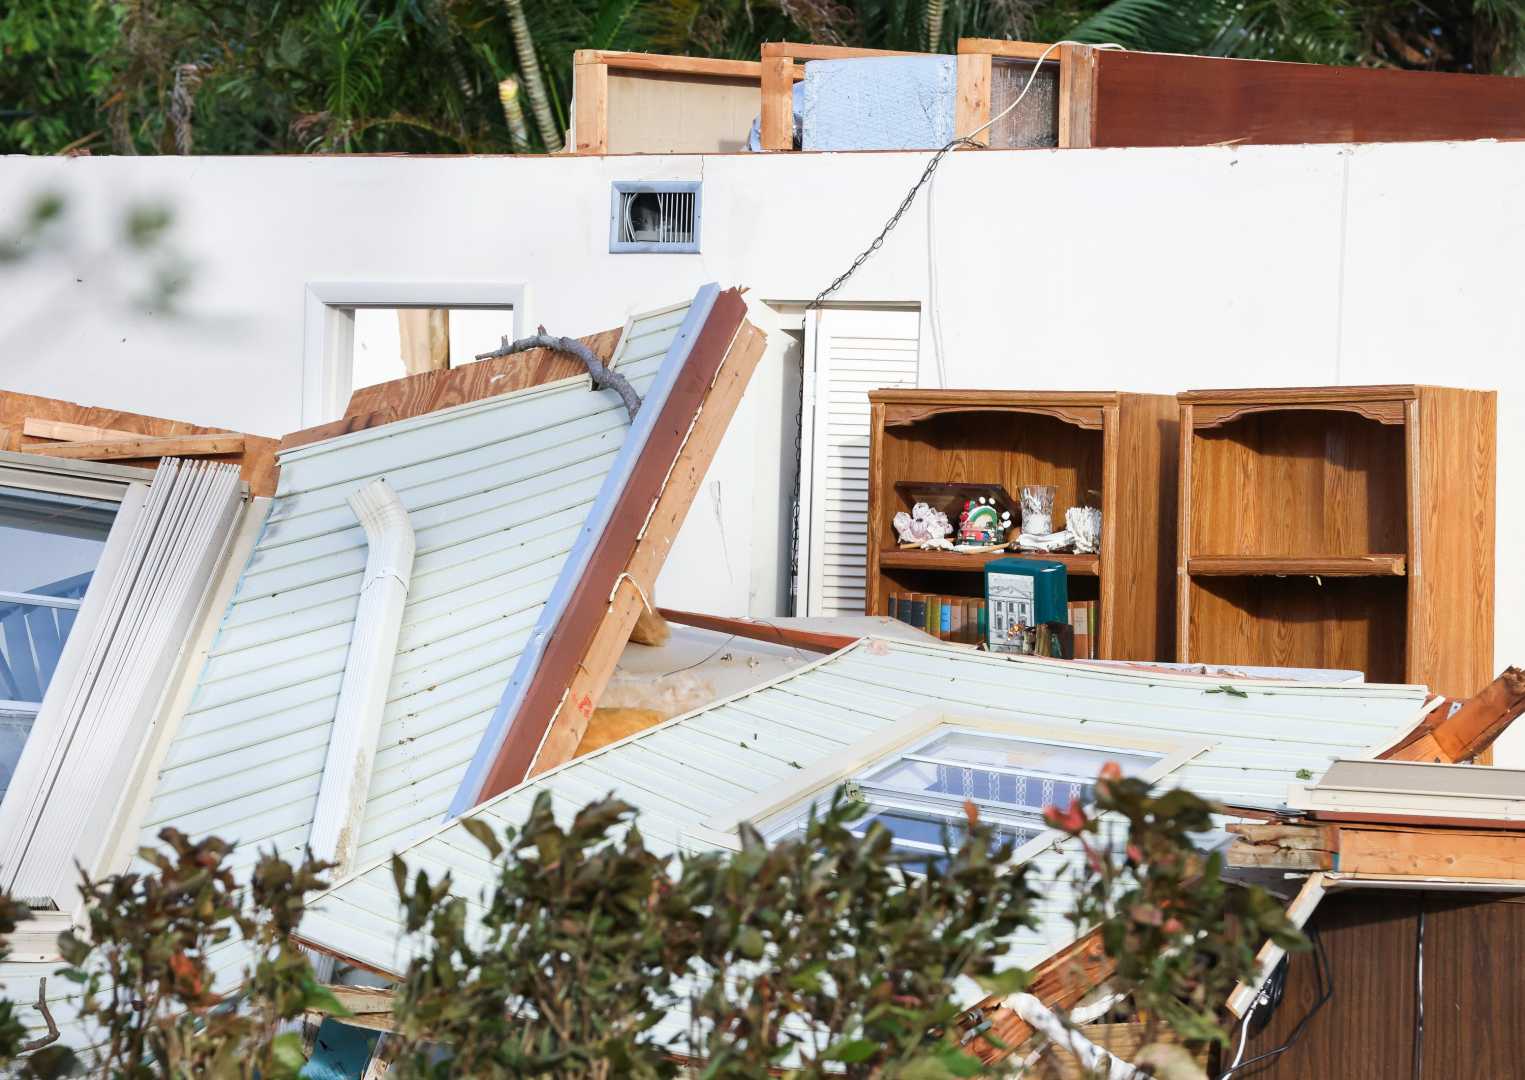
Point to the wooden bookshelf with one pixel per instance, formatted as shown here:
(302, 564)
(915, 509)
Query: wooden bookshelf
(1340, 527)
(1119, 448)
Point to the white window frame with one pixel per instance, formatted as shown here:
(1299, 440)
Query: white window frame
(328, 342)
(85, 479)
(821, 778)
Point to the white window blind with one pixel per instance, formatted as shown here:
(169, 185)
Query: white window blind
(109, 676)
(848, 353)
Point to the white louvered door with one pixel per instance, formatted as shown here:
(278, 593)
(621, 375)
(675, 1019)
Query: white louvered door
(849, 351)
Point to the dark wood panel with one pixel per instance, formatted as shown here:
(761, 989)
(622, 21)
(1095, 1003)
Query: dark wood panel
(1474, 1015)
(1154, 99)
(1365, 1031)
(1348, 622)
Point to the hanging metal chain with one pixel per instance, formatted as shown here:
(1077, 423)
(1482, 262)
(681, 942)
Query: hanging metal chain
(863, 257)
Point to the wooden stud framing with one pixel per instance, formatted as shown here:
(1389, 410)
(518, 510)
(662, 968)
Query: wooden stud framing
(590, 95)
(1077, 90)
(761, 630)
(972, 108)
(635, 583)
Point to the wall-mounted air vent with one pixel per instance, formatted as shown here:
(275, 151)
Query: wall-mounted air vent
(654, 216)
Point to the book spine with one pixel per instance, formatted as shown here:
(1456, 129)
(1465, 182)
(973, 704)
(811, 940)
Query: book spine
(945, 619)
(958, 621)
(984, 622)
(918, 610)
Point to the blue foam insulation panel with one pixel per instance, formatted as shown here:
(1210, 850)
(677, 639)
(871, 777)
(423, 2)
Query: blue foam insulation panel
(879, 103)
(340, 1052)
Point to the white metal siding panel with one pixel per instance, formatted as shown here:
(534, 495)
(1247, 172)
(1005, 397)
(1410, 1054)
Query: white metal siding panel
(497, 492)
(687, 770)
(855, 351)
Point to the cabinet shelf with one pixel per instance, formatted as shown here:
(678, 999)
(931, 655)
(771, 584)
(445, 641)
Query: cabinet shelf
(1116, 451)
(1380, 479)
(1387, 565)
(912, 559)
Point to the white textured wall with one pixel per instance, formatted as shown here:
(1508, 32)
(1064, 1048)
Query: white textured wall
(1146, 269)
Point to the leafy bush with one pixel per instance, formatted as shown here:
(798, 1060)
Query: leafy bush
(591, 956)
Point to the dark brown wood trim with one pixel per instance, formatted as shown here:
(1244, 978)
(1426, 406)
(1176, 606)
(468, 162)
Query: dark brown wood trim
(579, 621)
(755, 630)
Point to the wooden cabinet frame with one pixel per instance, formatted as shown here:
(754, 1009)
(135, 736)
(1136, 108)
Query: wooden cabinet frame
(1126, 442)
(1340, 527)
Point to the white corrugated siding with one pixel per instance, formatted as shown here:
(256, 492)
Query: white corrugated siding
(685, 771)
(855, 351)
(496, 491)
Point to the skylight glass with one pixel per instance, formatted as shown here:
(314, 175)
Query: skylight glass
(919, 791)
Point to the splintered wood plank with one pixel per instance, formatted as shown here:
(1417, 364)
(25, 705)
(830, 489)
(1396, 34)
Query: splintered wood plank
(256, 460)
(146, 447)
(37, 428)
(640, 573)
(1059, 982)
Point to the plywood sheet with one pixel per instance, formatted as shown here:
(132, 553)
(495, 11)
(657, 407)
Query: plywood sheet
(662, 113)
(256, 461)
(430, 391)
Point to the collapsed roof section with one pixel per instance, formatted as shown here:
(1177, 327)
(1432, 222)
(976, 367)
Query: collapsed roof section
(506, 497)
(1243, 747)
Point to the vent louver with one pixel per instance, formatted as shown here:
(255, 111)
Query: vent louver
(660, 216)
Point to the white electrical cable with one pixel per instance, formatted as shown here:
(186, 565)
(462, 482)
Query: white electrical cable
(1037, 65)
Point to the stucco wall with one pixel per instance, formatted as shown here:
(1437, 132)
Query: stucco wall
(1146, 269)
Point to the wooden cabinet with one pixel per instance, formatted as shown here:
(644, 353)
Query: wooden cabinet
(1340, 527)
(1117, 448)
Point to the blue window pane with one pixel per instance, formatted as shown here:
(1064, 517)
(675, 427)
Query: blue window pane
(14, 728)
(31, 638)
(49, 544)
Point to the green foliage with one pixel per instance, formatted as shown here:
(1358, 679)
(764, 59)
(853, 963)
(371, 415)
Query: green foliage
(821, 954)
(144, 965)
(252, 76)
(831, 954)
(1180, 935)
(12, 1032)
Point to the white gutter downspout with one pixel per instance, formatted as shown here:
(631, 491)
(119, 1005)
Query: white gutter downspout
(367, 675)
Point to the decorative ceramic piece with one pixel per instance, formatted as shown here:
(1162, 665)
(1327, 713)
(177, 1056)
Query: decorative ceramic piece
(981, 524)
(923, 527)
(1085, 523)
(1053, 542)
(1037, 509)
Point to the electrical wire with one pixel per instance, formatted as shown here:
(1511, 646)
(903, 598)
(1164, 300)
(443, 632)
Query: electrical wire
(926, 175)
(1325, 981)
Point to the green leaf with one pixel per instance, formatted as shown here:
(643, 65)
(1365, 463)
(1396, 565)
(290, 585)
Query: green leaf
(750, 943)
(484, 835)
(1010, 981)
(319, 997)
(287, 1051)
(1232, 691)
(853, 1051)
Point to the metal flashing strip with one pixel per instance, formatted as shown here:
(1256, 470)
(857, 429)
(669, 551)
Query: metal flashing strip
(499, 729)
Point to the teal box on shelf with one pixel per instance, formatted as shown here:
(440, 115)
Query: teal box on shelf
(1019, 595)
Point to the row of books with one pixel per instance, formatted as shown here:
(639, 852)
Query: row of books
(965, 620)
(947, 618)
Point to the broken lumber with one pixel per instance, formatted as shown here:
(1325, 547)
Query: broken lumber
(151, 447)
(1058, 983)
(38, 428)
(1284, 846)
(1471, 729)
(757, 630)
